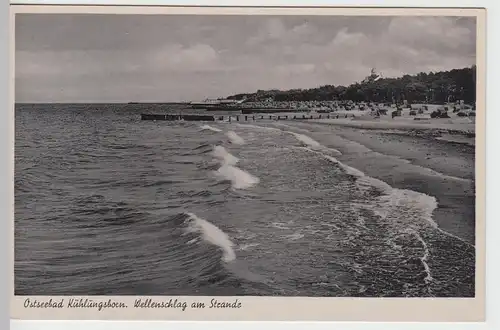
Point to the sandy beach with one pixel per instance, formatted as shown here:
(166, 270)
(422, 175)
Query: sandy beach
(363, 119)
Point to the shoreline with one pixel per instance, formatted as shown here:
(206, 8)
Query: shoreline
(425, 164)
(433, 127)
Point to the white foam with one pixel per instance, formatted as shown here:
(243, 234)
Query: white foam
(239, 178)
(235, 138)
(328, 224)
(403, 204)
(311, 143)
(279, 225)
(245, 247)
(400, 202)
(260, 127)
(306, 140)
(428, 278)
(407, 205)
(347, 169)
(192, 241)
(213, 235)
(295, 236)
(224, 156)
(210, 128)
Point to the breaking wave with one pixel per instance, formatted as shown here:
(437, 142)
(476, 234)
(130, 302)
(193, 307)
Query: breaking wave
(235, 138)
(228, 171)
(210, 128)
(239, 178)
(307, 140)
(211, 234)
(224, 156)
(394, 204)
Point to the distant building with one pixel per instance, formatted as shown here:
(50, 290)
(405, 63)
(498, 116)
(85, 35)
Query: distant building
(374, 76)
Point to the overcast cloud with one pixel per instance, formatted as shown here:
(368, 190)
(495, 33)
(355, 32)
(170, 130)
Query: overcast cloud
(122, 58)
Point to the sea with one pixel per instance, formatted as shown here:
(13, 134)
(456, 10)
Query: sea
(107, 204)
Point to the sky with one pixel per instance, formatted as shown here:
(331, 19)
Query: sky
(166, 58)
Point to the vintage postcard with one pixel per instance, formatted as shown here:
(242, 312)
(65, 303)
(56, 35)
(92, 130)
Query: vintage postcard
(204, 163)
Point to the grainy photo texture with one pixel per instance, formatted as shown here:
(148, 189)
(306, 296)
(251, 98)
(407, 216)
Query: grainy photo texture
(311, 156)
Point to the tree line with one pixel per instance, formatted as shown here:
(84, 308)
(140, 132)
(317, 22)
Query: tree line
(433, 87)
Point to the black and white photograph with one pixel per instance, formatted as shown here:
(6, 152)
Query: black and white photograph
(245, 155)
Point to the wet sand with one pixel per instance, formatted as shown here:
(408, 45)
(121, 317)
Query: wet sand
(406, 122)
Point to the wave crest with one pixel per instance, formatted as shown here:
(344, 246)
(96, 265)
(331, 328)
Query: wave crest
(224, 156)
(210, 128)
(235, 138)
(239, 178)
(307, 140)
(211, 234)
(394, 203)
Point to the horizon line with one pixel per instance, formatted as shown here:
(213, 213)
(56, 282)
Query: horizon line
(248, 92)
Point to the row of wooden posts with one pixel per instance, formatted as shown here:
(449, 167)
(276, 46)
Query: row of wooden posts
(196, 117)
(285, 117)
